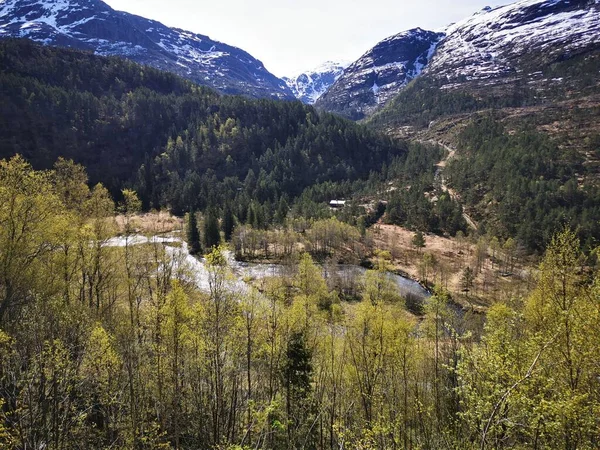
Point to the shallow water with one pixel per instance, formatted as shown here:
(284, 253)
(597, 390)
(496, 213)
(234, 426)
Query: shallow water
(406, 286)
(196, 267)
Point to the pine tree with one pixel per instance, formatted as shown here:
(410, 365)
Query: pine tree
(212, 235)
(228, 222)
(418, 241)
(193, 235)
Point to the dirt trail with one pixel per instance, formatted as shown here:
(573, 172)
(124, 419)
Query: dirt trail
(451, 152)
(439, 177)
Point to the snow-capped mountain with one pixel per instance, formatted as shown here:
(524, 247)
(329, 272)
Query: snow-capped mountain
(509, 40)
(311, 84)
(380, 73)
(95, 26)
(492, 52)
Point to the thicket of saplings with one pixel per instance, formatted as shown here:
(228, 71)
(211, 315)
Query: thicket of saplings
(116, 347)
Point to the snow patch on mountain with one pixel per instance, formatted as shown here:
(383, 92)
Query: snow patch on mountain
(381, 73)
(95, 26)
(486, 44)
(308, 86)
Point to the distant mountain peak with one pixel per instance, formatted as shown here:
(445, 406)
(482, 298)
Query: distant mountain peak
(309, 85)
(380, 73)
(93, 25)
(323, 67)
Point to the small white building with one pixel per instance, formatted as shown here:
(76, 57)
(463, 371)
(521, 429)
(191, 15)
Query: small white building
(337, 203)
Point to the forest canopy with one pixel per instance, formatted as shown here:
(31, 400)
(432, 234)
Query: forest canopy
(180, 145)
(523, 185)
(105, 345)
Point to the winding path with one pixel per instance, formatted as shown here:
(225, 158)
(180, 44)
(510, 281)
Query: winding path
(439, 176)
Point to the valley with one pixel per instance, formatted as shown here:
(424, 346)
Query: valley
(396, 252)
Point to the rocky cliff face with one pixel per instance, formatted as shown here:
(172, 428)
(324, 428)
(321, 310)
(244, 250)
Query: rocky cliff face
(380, 73)
(494, 52)
(95, 26)
(511, 40)
(311, 84)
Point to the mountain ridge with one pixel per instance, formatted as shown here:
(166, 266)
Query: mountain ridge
(533, 53)
(491, 49)
(491, 42)
(380, 73)
(309, 85)
(93, 25)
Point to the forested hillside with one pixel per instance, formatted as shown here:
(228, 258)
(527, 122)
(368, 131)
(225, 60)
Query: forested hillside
(523, 184)
(122, 343)
(171, 140)
(527, 156)
(106, 113)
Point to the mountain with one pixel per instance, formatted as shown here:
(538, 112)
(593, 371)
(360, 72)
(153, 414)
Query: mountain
(530, 53)
(533, 62)
(514, 93)
(93, 25)
(495, 53)
(310, 85)
(178, 144)
(380, 73)
(514, 41)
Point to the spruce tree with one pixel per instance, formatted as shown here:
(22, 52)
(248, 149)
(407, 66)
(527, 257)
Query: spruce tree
(228, 222)
(193, 235)
(251, 216)
(258, 217)
(212, 235)
(297, 376)
(282, 211)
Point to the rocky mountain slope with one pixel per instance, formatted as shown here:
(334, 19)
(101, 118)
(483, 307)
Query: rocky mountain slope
(511, 40)
(535, 57)
(310, 85)
(499, 53)
(95, 26)
(380, 73)
(515, 91)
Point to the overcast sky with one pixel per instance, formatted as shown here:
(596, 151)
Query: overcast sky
(290, 36)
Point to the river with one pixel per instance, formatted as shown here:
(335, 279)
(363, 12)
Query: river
(177, 249)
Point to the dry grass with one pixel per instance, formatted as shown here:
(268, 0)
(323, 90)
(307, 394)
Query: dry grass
(154, 222)
(452, 257)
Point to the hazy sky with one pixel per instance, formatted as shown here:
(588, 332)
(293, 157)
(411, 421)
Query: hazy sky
(290, 36)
